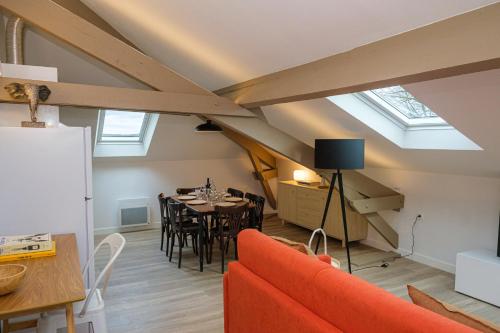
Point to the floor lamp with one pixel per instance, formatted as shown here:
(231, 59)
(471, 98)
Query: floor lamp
(337, 155)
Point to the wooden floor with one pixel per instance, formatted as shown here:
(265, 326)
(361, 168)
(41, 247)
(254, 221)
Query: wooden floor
(148, 294)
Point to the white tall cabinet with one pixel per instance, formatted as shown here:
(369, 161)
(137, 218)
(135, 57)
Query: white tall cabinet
(46, 183)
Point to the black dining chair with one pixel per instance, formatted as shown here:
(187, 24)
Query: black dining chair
(257, 211)
(180, 228)
(166, 228)
(163, 220)
(235, 193)
(229, 222)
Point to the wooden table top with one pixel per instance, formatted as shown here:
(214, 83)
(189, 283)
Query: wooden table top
(206, 208)
(49, 283)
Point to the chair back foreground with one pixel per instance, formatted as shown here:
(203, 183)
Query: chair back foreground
(116, 243)
(273, 288)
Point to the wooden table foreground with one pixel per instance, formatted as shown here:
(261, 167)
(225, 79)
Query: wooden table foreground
(50, 283)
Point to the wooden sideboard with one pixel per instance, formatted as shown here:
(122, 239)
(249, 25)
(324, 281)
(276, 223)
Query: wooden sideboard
(304, 205)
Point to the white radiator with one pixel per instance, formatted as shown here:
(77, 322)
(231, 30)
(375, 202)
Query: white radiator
(134, 212)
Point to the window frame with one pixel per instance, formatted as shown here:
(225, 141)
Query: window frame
(391, 112)
(137, 139)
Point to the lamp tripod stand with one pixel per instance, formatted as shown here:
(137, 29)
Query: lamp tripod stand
(335, 175)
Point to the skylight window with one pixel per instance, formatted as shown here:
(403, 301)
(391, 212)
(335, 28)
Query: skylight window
(124, 133)
(396, 115)
(397, 103)
(122, 126)
(404, 102)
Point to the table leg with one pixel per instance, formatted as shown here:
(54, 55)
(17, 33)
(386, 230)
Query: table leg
(70, 319)
(5, 326)
(201, 237)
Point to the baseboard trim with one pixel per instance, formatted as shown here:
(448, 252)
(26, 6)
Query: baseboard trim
(429, 261)
(420, 258)
(121, 229)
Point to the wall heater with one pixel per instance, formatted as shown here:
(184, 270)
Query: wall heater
(134, 212)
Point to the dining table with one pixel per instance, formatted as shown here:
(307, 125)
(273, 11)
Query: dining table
(203, 212)
(50, 283)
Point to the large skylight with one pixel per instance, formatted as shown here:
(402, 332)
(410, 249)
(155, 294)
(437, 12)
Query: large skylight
(396, 115)
(124, 133)
(397, 103)
(404, 102)
(122, 126)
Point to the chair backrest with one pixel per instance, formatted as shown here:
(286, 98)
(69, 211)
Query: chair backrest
(163, 207)
(185, 190)
(116, 242)
(258, 210)
(236, 217)
(235, 193)
(174, 210)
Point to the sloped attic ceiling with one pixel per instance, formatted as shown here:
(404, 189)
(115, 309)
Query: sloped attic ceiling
(218, 43)
(174, 137)
(471, 103)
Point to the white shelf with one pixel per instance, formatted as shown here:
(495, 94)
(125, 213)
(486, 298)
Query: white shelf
(478, 275)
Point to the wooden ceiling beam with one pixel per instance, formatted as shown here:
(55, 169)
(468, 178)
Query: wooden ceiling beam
(250, 145)
(257, 164)
(79, 8)
(459, 45)
(373, 205)
(78, 32)
(81, 95)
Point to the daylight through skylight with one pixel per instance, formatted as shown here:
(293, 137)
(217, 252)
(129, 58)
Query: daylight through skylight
(122, 123)
(404, 102)
(124, 133)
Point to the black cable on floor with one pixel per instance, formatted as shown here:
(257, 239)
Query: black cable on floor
(385, 262)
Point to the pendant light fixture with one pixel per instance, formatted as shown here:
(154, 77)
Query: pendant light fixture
(208, 127)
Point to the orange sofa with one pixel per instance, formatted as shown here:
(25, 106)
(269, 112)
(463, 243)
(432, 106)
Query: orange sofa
(273, 289)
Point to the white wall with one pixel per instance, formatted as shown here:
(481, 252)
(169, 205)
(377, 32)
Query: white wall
(459, 213)
(116, 179)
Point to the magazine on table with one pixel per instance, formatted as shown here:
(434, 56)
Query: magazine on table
(25, 243)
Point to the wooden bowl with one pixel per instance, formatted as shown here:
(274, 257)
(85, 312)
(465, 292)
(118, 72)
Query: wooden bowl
(11, 276)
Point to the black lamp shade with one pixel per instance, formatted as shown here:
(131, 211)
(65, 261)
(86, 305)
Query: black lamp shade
(340, 154)
(208, 127)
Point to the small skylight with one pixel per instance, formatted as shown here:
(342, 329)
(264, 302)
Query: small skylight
(402, 106)
(123, 126)
(124, 133)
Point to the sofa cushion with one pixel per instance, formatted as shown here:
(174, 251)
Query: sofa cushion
(255, 306)
(303, 248)
(449, 311)
(284, 268)
(354, 305)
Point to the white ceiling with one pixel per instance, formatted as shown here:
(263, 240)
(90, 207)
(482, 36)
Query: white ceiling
(217, 43)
